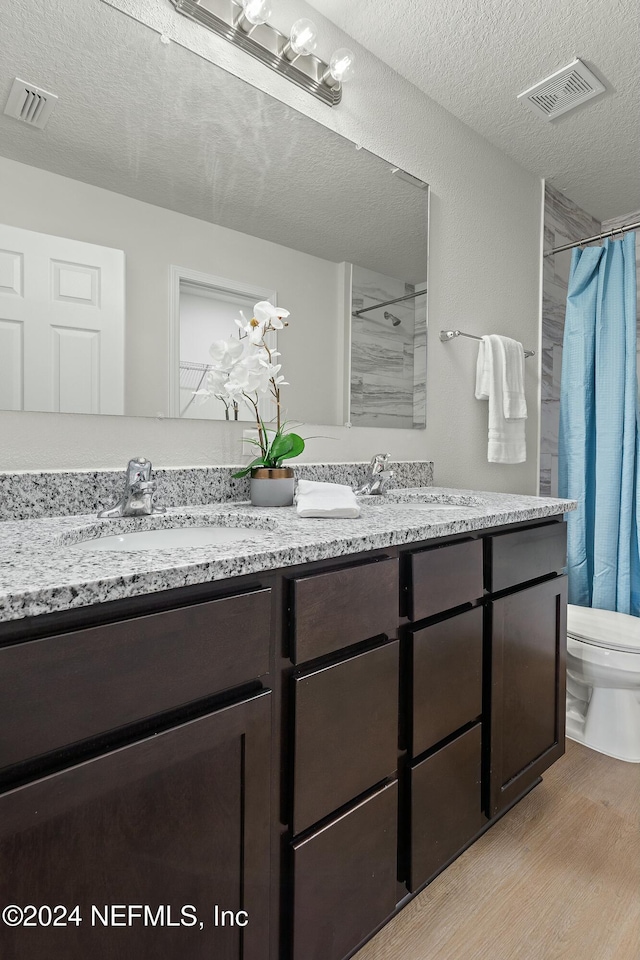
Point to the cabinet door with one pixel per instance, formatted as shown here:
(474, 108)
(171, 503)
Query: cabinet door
(528, 654)
(178, 820)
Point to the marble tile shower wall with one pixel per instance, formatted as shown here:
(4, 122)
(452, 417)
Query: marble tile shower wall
(386, 359)
(564, 222)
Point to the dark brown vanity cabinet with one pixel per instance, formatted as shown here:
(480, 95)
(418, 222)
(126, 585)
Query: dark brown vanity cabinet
(444, 776)
(301, 752)
(177, 823)
(528, 664)
(344, 757)
(136, 763)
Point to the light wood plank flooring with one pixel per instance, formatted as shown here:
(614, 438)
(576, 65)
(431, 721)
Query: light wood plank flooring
(558, 878)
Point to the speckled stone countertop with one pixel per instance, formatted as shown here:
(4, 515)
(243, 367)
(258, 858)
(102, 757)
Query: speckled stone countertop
(41, 572)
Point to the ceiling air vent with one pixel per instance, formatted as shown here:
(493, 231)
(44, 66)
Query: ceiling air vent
(562, 91)
(30, 104)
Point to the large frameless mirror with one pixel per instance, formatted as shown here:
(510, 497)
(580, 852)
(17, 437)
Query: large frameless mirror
(163, 197)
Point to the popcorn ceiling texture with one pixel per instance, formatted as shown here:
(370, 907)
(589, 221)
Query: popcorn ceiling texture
(474, 58)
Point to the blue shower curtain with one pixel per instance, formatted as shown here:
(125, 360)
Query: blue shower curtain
(599, 454)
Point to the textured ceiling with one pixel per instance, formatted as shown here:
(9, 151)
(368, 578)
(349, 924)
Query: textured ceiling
(158, 123)
(475, 56)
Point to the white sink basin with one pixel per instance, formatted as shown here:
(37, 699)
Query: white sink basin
(169, 538)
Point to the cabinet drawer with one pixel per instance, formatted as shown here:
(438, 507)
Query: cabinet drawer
(344, 879)
(346, 732)
(444, 577)
(446, 805)
(447, 678)
(527, 554)
(341, 607)
(95, 680)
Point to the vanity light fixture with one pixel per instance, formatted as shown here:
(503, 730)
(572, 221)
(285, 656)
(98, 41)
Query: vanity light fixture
(244, 23)
(341, 67)
(253, 14)
(303, 39)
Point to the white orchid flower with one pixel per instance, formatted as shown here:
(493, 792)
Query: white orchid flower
(201, 396)
(272, 370)
(216, 380)
(248, 376)
(225, 354)
(265, 312)
(253, 329)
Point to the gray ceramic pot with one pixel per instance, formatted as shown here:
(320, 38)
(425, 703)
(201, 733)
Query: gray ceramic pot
(272, 487)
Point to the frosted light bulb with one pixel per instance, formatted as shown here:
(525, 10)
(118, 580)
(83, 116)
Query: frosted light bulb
(304, 37)
(341, 65)
(256, 11)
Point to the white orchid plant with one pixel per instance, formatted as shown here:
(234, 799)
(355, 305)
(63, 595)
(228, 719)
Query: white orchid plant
(246, 369)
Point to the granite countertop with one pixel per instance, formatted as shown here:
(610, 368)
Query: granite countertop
(41, 572)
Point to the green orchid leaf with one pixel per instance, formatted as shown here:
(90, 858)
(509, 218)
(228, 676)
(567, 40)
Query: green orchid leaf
(281, 446)
(296, 448)
(258, 462)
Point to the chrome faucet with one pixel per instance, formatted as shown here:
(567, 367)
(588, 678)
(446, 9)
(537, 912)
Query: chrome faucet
(139, 491)
(379, 476)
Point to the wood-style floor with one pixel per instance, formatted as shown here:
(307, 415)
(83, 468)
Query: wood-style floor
(558, 878)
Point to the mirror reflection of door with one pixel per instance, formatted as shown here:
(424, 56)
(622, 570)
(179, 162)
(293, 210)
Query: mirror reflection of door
(208, 310)
(62, 314)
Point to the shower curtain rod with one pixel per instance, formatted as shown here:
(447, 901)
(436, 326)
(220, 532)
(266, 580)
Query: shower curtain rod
(387, 303)
(627, 228)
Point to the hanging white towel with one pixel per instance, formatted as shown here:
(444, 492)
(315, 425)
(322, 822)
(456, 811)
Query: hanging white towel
(317, 499)
(500, 380)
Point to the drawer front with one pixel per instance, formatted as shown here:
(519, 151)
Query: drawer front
(95, 680)
(446, 805)
(346, 732)
(336, 609)
(447, 678)
(445, 577)
(527, 554)
(344, 879)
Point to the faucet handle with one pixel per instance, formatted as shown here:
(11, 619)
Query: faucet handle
(379, 462)
(139, 468)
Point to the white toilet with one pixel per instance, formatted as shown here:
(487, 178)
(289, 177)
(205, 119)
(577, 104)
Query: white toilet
(603, 681)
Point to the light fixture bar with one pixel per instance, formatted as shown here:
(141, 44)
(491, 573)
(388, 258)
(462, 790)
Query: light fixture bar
(263, 42)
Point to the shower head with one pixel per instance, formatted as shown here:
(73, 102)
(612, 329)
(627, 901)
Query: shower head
(390, 316)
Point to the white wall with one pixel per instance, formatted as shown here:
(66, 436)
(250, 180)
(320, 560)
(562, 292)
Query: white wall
(484, 278)
(153, 239)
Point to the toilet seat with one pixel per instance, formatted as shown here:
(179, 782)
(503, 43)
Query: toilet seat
(604, 628)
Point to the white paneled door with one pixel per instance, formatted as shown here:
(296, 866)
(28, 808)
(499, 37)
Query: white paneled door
(62, 313)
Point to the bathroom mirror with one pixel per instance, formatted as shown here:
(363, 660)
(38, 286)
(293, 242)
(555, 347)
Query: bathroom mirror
(163, 196)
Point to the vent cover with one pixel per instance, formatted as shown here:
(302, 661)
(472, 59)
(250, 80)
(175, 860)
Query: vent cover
(30, 104)
(562, 91)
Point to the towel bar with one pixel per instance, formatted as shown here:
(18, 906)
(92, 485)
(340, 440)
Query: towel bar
(446, 335)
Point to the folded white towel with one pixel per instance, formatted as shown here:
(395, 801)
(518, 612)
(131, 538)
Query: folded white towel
(500, 380)
(316, 499)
